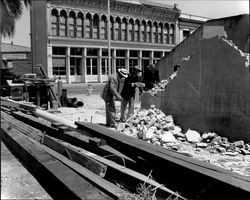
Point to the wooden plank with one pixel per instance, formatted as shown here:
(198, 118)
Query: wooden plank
(38, 123)
(107, 187)
(15, 104)
(153, 153)
(76, 138)
(65, 183)
(80, 155)
(89, 163)
(22, 127)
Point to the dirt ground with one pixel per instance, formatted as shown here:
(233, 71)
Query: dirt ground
(92, 111)
(16, 181)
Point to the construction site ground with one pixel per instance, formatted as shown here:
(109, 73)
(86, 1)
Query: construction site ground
(16, 181)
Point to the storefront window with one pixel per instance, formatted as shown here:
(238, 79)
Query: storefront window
(75, 66)
(92, 62)
(59, 66)
(59, 61)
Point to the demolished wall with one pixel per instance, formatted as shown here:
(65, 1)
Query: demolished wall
(211, 90)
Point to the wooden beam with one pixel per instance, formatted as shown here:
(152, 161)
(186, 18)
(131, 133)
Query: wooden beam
(76, 138)
(15, 104)
(132, 178)
(93, 177)
(22, 127)
(89, 163)
(61, 180)
(161, 156)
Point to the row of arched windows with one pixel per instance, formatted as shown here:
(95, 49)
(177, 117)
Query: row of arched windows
(121, 29)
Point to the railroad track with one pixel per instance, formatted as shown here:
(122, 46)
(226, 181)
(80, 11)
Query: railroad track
(111, 164)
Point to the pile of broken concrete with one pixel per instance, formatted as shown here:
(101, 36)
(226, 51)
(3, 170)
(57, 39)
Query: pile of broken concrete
(154, 127)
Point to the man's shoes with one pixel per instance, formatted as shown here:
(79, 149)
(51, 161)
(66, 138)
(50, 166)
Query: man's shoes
(111, 125)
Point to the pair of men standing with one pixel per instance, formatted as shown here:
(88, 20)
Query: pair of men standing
(122, 90)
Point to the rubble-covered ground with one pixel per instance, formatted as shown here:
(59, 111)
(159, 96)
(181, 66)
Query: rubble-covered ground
(153, 126)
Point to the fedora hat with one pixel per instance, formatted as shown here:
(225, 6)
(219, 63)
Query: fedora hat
(123, 72)
(137, 68)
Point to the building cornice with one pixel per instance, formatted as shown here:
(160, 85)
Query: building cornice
(140, 11)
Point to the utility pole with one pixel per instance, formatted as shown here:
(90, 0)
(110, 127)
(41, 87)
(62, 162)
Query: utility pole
(109, 50)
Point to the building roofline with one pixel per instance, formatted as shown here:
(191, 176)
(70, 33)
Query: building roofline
(14, 45)
(191, 20)
(223, 18)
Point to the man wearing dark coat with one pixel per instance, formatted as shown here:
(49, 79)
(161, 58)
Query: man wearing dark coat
(110, 93)
(150, 77)
(128, 92)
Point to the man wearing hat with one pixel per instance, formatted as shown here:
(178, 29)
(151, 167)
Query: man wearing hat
(110, 93)
(128, 92)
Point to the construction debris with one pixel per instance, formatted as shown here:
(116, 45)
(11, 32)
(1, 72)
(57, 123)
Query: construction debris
(154, 127)
(162, 85)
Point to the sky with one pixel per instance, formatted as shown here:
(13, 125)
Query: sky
(210, 9)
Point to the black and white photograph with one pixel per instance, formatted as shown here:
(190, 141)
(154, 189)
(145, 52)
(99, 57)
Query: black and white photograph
(125, 99)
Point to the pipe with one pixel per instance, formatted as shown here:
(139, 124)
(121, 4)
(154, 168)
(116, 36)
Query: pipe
(53, 118)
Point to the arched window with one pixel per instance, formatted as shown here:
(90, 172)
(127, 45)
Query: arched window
(149, 32)
(159, 31)
(95, 27)
(88, 26)
(79, 25)
(154, 33)
(123, 30)
(103, 25)
(171, 34)
(72, 23)
(117, 29)
(63, 29)
(143, 31)
(166, 34)
(54, 23)
(136, 28)
(130, 30)
(112, 28)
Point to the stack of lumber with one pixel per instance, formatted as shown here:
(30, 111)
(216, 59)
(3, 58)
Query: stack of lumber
(77, 165)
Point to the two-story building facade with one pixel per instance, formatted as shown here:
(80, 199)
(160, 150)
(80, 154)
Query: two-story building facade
(70, 37)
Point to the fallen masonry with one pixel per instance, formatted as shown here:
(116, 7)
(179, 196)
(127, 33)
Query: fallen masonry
(154, 127)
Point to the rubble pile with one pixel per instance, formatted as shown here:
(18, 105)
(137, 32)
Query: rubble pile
(162, 84)
(154, 127)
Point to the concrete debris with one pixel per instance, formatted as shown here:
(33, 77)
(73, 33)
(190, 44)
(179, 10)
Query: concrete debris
(162, 85)
(245, 55)
(193, 136)
(154, 127)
